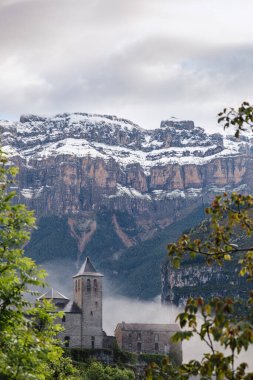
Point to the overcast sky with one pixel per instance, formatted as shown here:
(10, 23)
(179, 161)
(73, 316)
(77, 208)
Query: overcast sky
(145, 60)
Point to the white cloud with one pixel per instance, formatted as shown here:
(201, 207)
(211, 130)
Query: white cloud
(140, 59)
(134, 311)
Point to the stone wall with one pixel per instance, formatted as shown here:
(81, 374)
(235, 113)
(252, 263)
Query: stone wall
(141, 338)
(71, 323)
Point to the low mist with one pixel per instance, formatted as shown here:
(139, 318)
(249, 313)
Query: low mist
(127, 310)
(117, 309)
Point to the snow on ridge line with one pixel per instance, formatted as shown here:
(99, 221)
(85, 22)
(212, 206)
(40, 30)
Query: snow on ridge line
(130, 192)
(121, 191)
(34, 143)
(124, 156)
(31, 193)
(77, 117)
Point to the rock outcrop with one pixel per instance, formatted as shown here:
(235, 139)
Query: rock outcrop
(197, 279)
(75, 164)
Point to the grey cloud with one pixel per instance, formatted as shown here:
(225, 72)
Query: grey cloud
(138, 59)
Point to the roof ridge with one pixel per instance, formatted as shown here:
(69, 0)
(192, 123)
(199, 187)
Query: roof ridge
(87, 268)
(52, 294)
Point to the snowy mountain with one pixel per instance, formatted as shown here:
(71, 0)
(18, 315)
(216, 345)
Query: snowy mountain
(107, 137)
(79, 166)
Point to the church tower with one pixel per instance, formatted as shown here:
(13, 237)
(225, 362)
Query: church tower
(88, 296)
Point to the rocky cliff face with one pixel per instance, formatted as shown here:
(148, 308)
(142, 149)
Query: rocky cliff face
(196, 279)
(75, 165)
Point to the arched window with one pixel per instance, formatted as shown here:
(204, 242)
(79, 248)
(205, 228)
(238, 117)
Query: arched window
(64, 318)
(76, 285)
(88, 285)
(95, 285)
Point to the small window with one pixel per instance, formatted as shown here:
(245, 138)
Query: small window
(76, 285)
(96, 303)
(64, 318)
(92, 342)
(138, 347)
(66, 341)
(60, 304)
(95, 285)
(139, 336)
(88, 285)
(91, 313)
(130, 335)
(156, 347)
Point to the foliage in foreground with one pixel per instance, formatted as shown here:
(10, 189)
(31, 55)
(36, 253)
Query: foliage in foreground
(97, 371)
(226, 323)
(29, 348)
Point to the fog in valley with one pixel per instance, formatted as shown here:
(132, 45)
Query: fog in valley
(117, 309)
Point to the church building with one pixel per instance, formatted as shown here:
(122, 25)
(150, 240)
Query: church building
(82, 320)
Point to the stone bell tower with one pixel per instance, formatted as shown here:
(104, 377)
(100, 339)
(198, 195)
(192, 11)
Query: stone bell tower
(88, 296)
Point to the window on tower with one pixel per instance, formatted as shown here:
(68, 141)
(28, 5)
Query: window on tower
(88, 285)
(92, 342)
(95, 285)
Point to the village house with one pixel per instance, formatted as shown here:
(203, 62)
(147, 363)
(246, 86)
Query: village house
(82, 320)
(148, 338)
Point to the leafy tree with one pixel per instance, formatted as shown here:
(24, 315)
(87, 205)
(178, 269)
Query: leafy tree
(226, 323)
(29, 348)
(241, 118)
(97, 371)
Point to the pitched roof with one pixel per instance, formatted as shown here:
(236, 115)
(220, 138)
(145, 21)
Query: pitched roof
(71, 307)
(88, 269)
(148, 326)
(52, 294)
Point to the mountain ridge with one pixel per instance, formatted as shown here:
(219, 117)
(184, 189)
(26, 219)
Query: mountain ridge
(77, 166)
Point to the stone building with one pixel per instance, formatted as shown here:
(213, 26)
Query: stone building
(148, 338)
(82, 320)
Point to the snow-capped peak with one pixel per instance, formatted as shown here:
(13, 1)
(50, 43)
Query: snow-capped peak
(110, 137)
